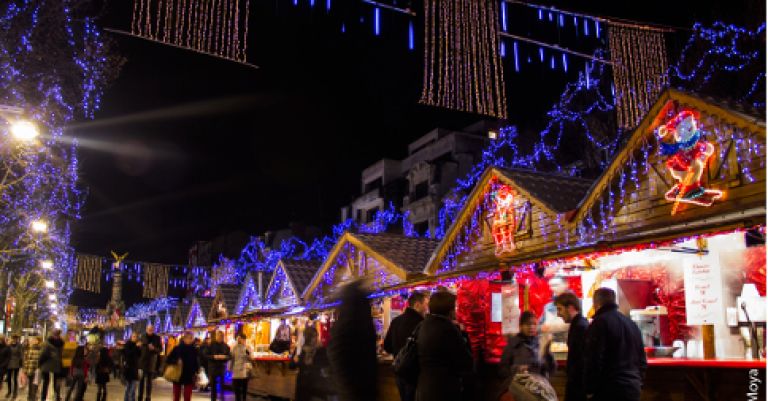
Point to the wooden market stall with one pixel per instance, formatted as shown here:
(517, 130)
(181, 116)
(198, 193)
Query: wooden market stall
(197, 317)
(643, 228)
(223, 308)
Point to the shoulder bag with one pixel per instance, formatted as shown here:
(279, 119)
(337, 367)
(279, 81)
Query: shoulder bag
(406, 363)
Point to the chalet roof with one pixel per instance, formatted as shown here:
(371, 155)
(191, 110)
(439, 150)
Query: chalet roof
(409, 253)
(206, 304)
(300, 272)
(724, 112)
(559, 193)
(229, 294)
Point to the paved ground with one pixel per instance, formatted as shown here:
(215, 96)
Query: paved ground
(161, 391)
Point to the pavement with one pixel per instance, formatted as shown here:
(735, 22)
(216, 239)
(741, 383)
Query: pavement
(161, 391)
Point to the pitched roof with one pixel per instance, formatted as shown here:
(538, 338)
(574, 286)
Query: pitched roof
(559, 193)
(409, 253)
(229, 294)
(205, 305)
(300, 272)
(651, 121)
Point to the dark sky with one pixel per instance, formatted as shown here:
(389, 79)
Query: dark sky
(187, 147)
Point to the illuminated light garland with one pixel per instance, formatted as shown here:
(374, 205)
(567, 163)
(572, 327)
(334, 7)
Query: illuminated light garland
(462, 66)
(217, 28)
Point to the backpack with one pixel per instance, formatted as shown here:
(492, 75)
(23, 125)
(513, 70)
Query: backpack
(406, 363)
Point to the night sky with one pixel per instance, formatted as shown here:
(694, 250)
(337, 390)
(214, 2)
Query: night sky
(187, 147)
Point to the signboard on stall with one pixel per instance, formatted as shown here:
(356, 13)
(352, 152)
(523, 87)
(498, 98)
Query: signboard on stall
(510, 309)
(703, 290)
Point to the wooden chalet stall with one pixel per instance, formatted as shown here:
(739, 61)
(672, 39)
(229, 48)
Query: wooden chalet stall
(197, 317)
(180, 316)
(253, 314)
(284, 294)
(387, 262)
(632, 231)
(223, 309)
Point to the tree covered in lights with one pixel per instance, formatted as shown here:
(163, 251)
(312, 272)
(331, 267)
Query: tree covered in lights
(54, 66)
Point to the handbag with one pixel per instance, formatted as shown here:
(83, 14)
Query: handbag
(172, 372)
(406, 363)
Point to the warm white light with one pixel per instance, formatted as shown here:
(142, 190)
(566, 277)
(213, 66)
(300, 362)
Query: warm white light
(24, 130)
(51, 297)
(56, 325)
(39, 226)
(49, 284)
(46, 264)
(493, 134)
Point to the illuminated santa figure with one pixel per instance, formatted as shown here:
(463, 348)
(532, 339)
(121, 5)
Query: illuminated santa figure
(681, 140)
(503, 224)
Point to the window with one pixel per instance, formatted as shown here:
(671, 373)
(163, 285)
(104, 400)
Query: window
(375, 184)
(421, 190)
(422, 228)
(371, 214)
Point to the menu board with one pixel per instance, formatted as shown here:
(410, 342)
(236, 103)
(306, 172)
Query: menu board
(510, 309)
(703, 290)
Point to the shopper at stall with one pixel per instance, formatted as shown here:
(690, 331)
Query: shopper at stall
(550, 324)
(186, 352)
(240, 367)
(150, 349)
(78, 368)
(614, 357)
(50, 365)
(31, 357)
(218, 355)
(15, 359)
(526, 364)
(443, 355)
(131, 355)
(312, 361)
(352, 346)
(400, 329)
(569, 309)
(103, 371)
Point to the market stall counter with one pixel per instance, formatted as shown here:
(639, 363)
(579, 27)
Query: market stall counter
(272, 377)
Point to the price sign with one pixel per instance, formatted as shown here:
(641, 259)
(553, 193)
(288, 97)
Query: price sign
(703, 290)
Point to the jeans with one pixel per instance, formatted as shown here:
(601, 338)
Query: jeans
(217, 384)
(145, 385)
(241, 389)
(32, 388)
(130, 390)
(13, 381)
(407, 391)
(101, 392)
(46, 380)
(187, 391)
(78, 381)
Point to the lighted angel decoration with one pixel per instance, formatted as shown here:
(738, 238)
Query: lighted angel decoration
(503, 219)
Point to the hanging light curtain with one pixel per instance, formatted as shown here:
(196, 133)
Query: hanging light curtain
(639, 58)
(155, 280)
(88, 277)
(462, 64)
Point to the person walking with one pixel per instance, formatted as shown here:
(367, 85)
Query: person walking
(92, 357)
(241, 368)
(187, 354)
(443, 355)
(352, 346)
(31, 357)
(569, 309)
(614, 357)
(150, 349)
(218, 355)
(311, 358)
(15, 360)
(50, 365)
(5, 357)
(103, 371)
(131, 354)
(78, 371)
(399, 330)
(526, 364)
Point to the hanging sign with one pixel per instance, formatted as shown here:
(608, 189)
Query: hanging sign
(703, 290)
(510, 309)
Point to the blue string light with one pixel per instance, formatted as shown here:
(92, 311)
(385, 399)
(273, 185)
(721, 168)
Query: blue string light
(376, 21)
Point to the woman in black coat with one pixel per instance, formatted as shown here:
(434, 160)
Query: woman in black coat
(444, 357)
(186, 352)
(103, 371)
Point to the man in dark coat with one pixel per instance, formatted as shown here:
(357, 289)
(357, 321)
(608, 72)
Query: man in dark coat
(50, 364)
(569, 309)
(218, 355)
(352, 348)
(131, 355)
(150, 345)
(5, 358)
(614, 357)
(444, 357)
(400, 329)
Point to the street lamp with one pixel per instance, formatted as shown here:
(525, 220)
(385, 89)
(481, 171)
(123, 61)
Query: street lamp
(49, 284)
(39, 226)
(51, 297)
(24, 130)
(46, 264)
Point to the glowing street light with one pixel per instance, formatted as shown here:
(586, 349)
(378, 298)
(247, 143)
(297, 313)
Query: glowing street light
(51, 297)
(24, 130)
(46, 264)
(50, 284)
(39, 226)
